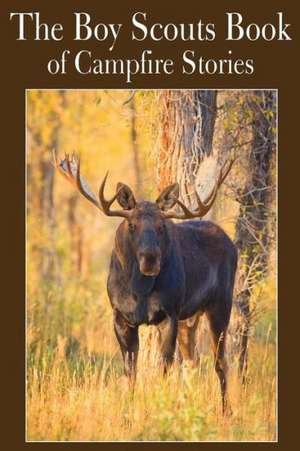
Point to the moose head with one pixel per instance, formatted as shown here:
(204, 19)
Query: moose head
(146, 223)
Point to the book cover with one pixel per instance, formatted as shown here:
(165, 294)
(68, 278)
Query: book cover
(149, 295)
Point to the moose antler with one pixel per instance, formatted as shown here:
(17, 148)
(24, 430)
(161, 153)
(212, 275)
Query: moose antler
(69, 168)
(106, 204)
(203, 206)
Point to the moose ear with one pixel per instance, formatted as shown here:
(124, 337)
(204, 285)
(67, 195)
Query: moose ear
(168, 198)
(125, 197)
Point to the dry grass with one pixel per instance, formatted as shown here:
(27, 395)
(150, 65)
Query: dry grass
(77, 391)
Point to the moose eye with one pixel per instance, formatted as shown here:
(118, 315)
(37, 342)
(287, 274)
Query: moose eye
(131, 227)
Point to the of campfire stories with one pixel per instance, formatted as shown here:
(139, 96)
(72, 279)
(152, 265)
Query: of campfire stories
(153, 316)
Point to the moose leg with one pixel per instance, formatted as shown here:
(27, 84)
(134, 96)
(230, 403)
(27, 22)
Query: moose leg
(218, 329)
(187, 331)
(128, 339)
(167, 340)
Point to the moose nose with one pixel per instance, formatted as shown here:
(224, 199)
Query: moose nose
(149, 262)
(149, 257)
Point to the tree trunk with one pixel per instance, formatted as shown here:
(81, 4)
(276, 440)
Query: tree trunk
(186, 137)
(48, 215)
(252, 228)
(187, 127)
(42, 199)
(134, 145)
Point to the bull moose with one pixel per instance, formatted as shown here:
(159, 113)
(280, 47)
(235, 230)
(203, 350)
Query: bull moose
(162, 272)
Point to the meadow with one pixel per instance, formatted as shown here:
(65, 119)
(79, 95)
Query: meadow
(77, 391)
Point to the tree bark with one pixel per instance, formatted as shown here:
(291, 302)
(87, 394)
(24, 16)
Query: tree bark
(135, 149)
(186, 137)
(187, 126)
(252, 227)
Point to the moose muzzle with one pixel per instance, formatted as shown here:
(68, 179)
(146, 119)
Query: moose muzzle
(148, 253)
(149, 263)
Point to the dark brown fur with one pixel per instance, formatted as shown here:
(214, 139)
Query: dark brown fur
(197, 263)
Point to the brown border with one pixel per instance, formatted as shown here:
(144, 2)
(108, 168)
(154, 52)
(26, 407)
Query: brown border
(23, 67)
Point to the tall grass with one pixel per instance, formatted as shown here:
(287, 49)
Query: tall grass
(76, 389)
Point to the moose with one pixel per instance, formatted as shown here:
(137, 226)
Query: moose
(162, 272)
